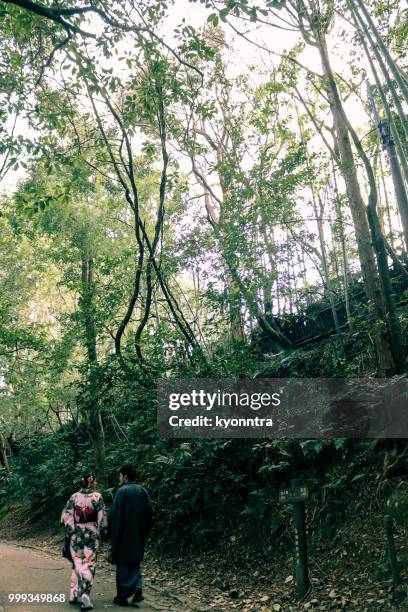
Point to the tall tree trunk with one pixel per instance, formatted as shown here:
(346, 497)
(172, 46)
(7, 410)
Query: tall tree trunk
(294, 276)
(326, 273)
(380, 207)
(86, 307)
(234, 308)
(93, 416)
(288, 275)
(278, 293)
(386, 75)
(3, 454)
(267, 296)
(391, 63)
(376, 304)
(387, 205)
(271, 274)
(97, 437)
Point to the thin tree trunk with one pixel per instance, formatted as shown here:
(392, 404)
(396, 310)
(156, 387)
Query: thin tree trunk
(334, 253)
(278, 299)
(289, 280)
(387, 204)
(326, 274)
(392, 64)
(294, 277)
(86, 307)
(93, 416)
(3, 453)
(384, 70)
(267, 292)
(387, 143)
(272, 272)
(380, 207)
(97, 436)
(303, 270)
(234, 307)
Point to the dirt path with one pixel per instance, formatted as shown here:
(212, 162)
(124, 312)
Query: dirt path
(23, 570)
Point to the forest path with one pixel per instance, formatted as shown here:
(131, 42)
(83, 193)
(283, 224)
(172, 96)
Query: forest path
(24, 570)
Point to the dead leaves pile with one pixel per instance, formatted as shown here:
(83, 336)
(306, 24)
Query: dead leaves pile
(233, 578)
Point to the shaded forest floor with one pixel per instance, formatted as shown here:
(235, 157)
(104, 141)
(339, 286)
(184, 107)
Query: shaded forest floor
(350, 574)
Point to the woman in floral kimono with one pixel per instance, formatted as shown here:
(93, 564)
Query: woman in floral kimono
(85, 521)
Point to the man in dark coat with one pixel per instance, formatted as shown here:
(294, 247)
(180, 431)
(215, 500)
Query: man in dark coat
(129, 525)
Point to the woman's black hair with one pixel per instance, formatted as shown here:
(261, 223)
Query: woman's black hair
(129, 471)
(85, 480)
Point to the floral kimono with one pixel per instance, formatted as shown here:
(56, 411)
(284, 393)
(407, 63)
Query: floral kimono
(84, 519)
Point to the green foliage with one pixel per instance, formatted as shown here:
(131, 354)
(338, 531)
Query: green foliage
(48, 469)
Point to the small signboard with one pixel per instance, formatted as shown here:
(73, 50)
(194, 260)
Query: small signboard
(293, 494)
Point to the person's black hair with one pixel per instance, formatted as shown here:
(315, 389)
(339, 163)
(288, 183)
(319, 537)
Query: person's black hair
(128, 470)
(85, 479)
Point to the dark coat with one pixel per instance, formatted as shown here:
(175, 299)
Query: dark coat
(130, 521)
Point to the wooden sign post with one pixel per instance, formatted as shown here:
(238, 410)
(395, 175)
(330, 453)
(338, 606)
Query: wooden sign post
(392, 555)
(296, 495)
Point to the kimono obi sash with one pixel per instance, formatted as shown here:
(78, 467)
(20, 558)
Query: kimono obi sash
(85, 514)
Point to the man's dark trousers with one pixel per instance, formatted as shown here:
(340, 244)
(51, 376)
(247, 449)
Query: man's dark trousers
(128, 580)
